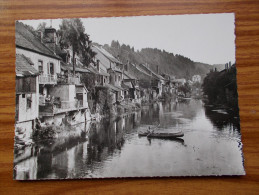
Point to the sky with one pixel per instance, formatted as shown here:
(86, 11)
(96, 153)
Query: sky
(207, 38)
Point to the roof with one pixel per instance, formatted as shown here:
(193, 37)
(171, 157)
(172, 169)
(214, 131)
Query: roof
(99, 49)
(103, 73)
(95, 71)
(115, 88)
(127, 75)
(125, 86)
(158, 76)
(115, 69)
(26, 39)
(65, 66)
(23, 66)
(147, 70)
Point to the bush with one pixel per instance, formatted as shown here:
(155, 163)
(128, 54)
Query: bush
(44, 133)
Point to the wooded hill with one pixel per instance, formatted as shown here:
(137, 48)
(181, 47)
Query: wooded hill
(177, 65)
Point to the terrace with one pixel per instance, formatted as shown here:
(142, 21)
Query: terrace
(56, 106)
(69, 79)
(47, 79)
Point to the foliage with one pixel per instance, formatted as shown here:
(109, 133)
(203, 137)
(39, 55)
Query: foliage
(88, 80)
(168, 63)
(221, 87)
(104, 99)
(186, 88)
(41, 27)
(72, 33)
(44, 133)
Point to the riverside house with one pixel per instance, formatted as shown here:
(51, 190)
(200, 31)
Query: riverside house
(110, 68)
(58, 100)
(27, 97)
(131, 82)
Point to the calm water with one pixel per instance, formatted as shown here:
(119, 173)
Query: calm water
(211, 146)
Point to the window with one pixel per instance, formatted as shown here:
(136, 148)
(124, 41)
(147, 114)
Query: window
(28, 101)
(40, 66)
(51, 68)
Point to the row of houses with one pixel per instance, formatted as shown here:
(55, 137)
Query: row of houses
(50, 91)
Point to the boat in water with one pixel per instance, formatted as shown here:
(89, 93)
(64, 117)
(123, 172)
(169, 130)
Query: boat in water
(164, 135)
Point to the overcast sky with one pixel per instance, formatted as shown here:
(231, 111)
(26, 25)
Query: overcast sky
(207, 38)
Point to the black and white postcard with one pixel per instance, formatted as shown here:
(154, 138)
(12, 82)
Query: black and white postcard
(144, 96)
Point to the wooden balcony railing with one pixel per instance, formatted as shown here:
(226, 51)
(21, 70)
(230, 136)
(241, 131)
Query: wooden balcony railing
(47, 79)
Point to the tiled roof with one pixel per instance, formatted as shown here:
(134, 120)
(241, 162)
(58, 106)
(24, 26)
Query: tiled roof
(26, 39)
(127, 75)
(95, 71)
(23, 66)
(65, 66)
(99, 49)
(148, 71)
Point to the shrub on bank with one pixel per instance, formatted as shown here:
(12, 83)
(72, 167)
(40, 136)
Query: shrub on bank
(47, 132)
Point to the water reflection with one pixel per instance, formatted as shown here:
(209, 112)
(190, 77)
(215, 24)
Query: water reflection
(112, 148)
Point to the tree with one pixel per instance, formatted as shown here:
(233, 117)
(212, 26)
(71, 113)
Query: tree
(185, 89)
(41, 27)
(72, 33)
(221, 87)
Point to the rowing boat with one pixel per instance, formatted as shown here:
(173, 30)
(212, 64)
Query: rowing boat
(161, 134)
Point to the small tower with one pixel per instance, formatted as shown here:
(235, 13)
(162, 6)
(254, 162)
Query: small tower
(50, 38)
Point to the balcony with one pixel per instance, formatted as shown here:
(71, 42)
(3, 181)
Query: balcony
(47, 79)
(69, 79)
(50, 109)
(73, 80)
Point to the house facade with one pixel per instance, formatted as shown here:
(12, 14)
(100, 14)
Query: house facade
(27, 97)
(109, 65)
(57, 97)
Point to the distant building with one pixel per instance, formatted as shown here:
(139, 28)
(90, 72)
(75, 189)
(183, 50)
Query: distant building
(196, 78)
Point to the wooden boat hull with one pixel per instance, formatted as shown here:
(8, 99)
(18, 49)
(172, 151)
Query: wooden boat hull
(161, 135)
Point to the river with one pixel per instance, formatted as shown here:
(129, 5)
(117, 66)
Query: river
(112, 148)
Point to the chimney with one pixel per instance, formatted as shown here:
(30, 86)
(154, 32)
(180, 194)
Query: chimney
(98, 65)
(51, 38)
(40, 35)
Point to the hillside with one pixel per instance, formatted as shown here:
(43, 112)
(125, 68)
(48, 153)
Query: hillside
(169, 63)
